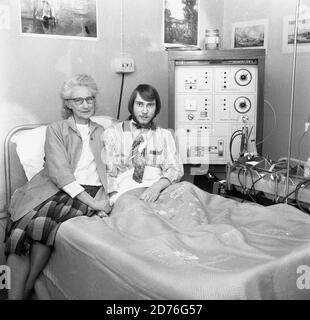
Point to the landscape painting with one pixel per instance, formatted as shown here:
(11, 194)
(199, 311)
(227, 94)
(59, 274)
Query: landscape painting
(250, 34)
(303, 34)
(59, 18)
(181, 22)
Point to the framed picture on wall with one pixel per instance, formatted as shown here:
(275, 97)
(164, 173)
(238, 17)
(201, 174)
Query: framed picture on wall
(303, 35)
(59, 19)
(250, 34)
(180, 23)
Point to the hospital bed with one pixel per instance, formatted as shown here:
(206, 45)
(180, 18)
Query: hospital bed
(189, 245)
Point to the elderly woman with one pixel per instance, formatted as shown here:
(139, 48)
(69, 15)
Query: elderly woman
(140, 154)
(72, 183)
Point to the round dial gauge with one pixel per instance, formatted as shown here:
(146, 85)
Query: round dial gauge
(243, 77)
(242, 104)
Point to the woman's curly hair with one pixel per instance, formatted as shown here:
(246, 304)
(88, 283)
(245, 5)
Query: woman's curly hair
(80, 80)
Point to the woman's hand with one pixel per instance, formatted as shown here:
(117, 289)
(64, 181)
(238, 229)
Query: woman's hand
(102, 205)
(102, 214)
(101, 202)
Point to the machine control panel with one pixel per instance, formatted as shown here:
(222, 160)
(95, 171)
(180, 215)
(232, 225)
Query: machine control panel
(211, 102)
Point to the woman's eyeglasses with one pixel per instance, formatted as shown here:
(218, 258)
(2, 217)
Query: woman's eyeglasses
(78, 101)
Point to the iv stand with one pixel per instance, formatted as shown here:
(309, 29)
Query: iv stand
(292, 100)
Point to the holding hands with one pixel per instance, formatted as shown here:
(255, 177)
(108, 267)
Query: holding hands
(102, 204)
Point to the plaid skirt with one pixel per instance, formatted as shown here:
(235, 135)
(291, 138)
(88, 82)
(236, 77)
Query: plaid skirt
(43, 225)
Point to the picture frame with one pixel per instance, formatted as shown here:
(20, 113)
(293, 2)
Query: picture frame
(180, 23)
(59, 19)
(303, 36)
(250, 34)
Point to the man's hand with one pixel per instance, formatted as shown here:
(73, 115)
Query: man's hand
(151, 194)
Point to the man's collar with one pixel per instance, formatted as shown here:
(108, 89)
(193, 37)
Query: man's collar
(151, 125)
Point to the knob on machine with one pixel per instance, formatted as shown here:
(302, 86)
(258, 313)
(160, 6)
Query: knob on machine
(243, 77)
(242, 104)
(190, 116)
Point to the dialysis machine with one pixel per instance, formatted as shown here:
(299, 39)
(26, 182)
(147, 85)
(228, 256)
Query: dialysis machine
(213, 95)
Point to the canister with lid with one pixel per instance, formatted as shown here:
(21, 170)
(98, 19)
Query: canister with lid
(212, 39)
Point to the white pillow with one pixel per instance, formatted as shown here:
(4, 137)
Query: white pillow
(104, 121)
(30, 145)
(30, 149)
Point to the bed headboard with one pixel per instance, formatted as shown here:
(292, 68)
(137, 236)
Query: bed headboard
(14, 173)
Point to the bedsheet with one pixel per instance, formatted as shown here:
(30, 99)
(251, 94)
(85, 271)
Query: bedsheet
(189, 244)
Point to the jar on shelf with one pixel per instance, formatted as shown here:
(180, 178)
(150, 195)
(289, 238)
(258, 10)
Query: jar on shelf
(212, 39)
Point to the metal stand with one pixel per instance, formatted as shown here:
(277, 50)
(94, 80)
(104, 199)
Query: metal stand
(292, 99)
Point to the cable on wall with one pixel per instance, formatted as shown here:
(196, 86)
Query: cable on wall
(122, 54)
(274, 125)
(120, 96)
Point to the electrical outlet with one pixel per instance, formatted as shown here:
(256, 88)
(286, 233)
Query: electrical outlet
(124, 65)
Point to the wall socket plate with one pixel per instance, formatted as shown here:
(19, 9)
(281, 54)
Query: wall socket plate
(124, 65)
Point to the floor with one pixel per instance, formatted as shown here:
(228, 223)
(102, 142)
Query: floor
(3, 294)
